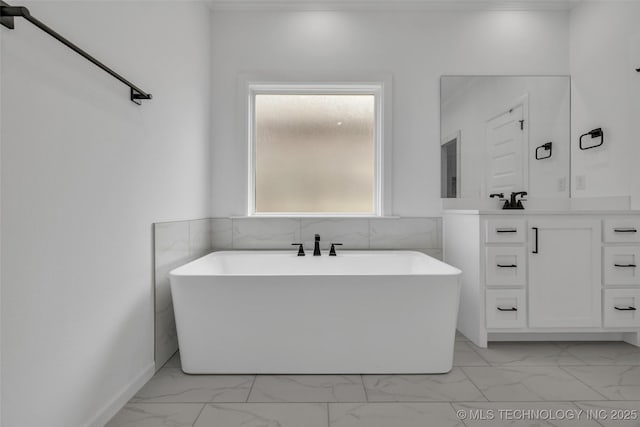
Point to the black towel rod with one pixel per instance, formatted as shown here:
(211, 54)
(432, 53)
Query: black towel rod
(7, 13)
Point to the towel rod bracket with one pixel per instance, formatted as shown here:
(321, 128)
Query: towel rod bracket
(9, 12)
(7, 21)
(137, 97)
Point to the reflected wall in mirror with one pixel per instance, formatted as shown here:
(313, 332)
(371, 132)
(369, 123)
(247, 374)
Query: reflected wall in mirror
(501, 134)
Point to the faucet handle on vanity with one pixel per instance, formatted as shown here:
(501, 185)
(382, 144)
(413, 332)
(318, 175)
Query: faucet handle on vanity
(522, 195)
(300, 248)
(500, 196)
(332, 251)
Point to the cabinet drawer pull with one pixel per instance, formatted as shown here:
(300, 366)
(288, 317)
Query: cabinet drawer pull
(624, 265)
(506, 265)
(624, 308)
(625, 230)
(535, 231)
(506, 230)
(510, 309)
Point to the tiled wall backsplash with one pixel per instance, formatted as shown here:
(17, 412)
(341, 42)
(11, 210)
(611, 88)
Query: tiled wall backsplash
(175, 243)
(179, 242)
(423, 234)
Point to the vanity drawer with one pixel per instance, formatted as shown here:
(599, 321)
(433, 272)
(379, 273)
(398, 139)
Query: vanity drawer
(506, 308)
(621, 265)
(621, 308)
(506, 231)
(505, 266)
(622, 230)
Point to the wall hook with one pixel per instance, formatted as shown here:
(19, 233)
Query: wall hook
(546, 147)
(595, 133)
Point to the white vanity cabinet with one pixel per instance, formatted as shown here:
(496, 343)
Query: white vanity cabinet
(564, 273)
(545, 276)
(621, 272)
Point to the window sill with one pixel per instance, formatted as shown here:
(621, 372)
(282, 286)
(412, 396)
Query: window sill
(315, 216)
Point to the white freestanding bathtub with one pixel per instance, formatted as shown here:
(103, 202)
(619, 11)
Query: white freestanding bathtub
(275, 312)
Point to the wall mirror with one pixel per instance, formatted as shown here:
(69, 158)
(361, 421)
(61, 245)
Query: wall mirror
(501, 134)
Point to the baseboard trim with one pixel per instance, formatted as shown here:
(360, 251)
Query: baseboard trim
(121, 398)
(556, 336)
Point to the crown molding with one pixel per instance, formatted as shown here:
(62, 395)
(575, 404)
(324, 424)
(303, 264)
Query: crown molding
(392, 5)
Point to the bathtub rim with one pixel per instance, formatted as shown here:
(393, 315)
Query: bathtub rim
(454, 271)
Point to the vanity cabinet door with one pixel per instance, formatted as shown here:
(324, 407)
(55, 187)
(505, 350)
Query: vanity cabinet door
(564, 273)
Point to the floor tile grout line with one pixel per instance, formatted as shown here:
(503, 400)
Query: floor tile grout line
(471, 381)
(255, 378)
(579, 362)
(479, 355)
(579, 408)
(328, 415)
(567, 352)
(509, 402)
(455, 411)
(199, 414)
(548, 365)
(236, 402)
(551, 366)
(364, 387)
(583, 383)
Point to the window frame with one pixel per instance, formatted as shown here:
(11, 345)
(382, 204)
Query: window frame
(376, 89)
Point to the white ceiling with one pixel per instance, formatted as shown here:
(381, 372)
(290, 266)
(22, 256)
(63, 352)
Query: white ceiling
(393, 4)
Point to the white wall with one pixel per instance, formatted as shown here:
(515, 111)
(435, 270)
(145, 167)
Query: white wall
(416, 47)
(85, 173)
(605, 50)
(634, 100)
(476, 99)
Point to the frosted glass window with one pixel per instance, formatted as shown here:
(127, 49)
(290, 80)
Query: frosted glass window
(315, 153)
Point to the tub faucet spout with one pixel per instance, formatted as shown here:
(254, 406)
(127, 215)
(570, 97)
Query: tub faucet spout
(316, 246)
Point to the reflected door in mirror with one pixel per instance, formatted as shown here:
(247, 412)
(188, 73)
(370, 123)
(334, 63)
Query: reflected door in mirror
(450, 166)
(506, 145)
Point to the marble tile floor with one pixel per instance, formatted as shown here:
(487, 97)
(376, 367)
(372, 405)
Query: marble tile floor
(508, 384)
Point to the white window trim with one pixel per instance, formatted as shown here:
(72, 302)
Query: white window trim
(380, 88)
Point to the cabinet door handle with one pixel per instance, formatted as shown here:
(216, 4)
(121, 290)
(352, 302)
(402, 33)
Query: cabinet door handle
(624, 308)
(506, 230)
(506, 265)
(509, 309)
(535, 231)
(624, 265)
(625, 230)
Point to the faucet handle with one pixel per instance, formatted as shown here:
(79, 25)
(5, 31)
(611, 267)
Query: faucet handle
(522, 195)
(300, 248)
(332, 251)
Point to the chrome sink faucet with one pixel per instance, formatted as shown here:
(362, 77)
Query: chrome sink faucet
(316, 246)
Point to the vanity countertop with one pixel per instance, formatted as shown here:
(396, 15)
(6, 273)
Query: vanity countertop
(538, 212)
